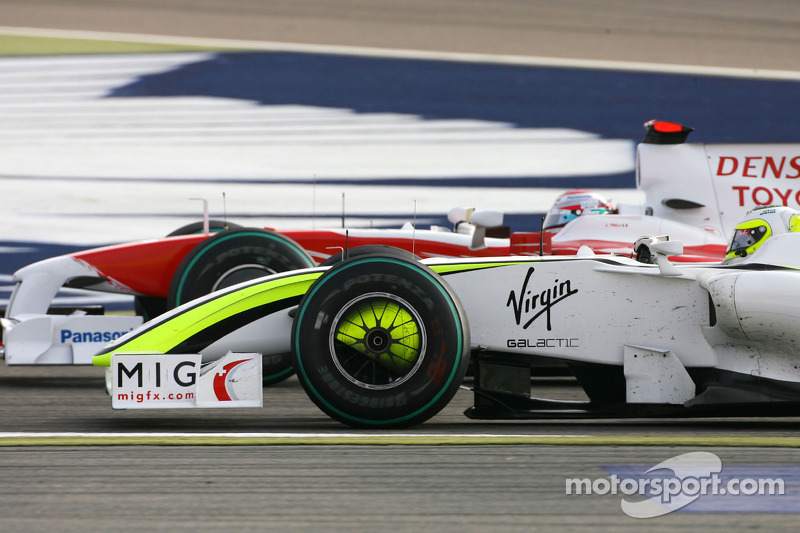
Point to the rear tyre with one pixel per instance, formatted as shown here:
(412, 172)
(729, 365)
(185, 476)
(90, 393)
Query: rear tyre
(232, 257)
(380, 342)
(369, 249)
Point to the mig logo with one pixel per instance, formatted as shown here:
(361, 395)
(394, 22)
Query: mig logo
(531, 303)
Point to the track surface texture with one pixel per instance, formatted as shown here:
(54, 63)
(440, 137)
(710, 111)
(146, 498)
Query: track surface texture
(351, 487)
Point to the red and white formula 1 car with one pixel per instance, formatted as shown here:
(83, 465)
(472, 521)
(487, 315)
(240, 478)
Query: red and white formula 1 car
(694, 192)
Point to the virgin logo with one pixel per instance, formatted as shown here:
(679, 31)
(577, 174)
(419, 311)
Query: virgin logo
(531, 303)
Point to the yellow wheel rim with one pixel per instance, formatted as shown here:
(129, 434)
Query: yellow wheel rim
(383, 331)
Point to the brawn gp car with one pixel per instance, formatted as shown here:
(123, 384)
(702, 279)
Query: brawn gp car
(383, 340)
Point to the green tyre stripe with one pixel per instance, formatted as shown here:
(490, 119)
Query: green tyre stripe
(220, 240)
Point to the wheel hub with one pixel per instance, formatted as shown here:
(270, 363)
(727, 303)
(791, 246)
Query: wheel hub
(378, 340)
(383, 329)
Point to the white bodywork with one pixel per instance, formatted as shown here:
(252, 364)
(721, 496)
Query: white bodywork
(31, 336)
(727, 179)
(593, 311)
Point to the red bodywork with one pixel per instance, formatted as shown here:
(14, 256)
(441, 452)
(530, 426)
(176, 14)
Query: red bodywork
(147, 268)
(324, 243)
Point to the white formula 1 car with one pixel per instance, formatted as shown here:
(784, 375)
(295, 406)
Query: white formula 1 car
(694, 192)
(384, 341)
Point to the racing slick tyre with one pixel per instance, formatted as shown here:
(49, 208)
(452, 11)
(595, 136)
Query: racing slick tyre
(368, 249)
(234, 256)
(380, 342)
(149, 307)
(214, 226)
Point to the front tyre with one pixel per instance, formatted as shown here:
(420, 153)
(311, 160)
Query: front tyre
(148, 307)
(232, 257)
(214, 226)
(380, 342)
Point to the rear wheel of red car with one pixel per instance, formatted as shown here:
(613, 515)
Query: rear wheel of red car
(232, 257)
(380, 342)
(369, 249)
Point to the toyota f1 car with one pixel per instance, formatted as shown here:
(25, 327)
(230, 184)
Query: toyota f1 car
(694, 192)
(384, 341)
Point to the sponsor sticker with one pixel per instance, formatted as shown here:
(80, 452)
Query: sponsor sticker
(161, 381)
(533, 301)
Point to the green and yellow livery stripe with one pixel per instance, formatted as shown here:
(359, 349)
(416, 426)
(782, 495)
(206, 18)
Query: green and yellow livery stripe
(450, 268)
(211, 319)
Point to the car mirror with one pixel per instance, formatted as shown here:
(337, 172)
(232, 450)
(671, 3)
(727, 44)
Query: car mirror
(487, 218)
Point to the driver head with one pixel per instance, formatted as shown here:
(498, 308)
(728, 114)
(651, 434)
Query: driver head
(757, 226)
(573, 204)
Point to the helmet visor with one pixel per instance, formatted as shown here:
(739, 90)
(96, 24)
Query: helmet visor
(558, 217)
(747, 238)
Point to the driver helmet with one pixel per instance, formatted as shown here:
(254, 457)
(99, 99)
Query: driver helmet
(573, 204)
(757, 226)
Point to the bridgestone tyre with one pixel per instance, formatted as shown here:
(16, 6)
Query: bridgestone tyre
(149, 308)
(369, 249)
(234, 256)
(380, 342)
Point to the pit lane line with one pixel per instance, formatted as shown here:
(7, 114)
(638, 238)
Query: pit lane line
(8, 439)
